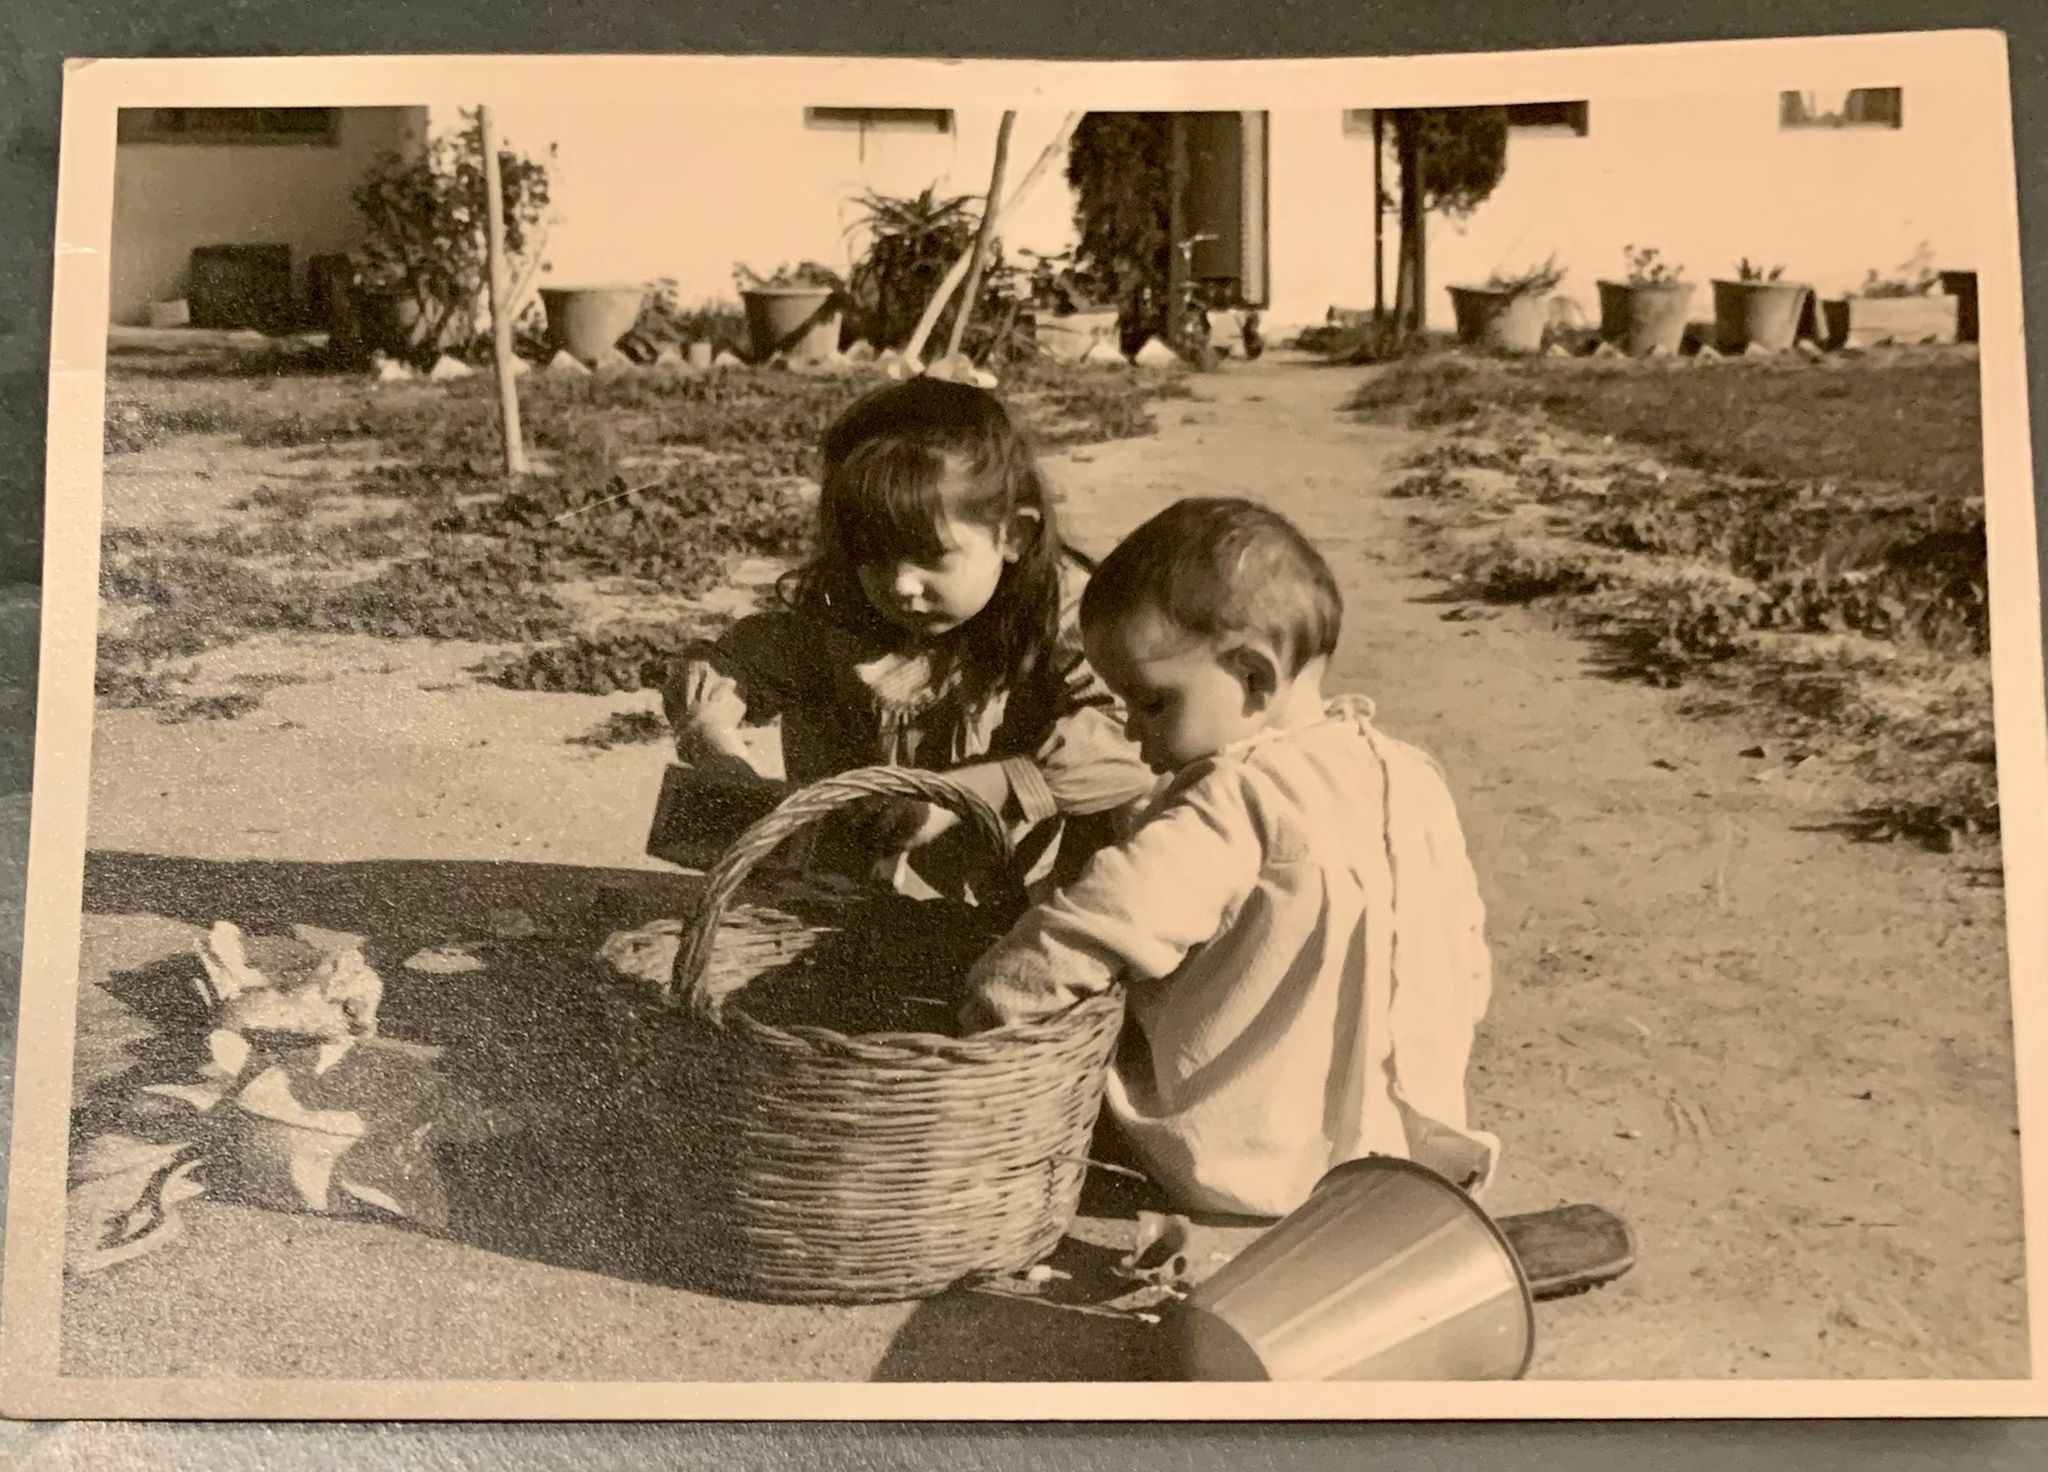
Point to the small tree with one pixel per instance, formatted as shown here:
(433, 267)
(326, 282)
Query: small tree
(1449, 159)
(424, 217)
(1120, 166)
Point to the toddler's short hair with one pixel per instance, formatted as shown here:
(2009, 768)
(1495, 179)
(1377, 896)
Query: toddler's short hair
(1216, 566)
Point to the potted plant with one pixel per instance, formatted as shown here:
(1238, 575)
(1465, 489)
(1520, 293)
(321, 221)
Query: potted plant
(419, 273)
(1646, 313)
(794, 310)
(1507, 314)
(587, 321)
(1758, 308)
(1067, 319)
(1906, 306)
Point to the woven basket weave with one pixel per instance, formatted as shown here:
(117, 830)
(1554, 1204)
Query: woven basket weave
(885, 1165)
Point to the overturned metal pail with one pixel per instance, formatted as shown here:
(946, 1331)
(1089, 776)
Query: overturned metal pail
(1386, 1272)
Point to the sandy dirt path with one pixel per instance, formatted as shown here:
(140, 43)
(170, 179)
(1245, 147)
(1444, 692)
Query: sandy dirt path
(1782, 1056)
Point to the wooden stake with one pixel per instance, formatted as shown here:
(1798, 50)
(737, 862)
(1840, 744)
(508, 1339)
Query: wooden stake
(979, 258)
(953, 278)
(501, 306)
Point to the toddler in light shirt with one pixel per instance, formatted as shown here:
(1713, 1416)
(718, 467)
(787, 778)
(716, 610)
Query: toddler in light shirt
(1293, 912)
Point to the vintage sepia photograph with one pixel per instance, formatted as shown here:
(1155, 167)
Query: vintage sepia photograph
(739, 737)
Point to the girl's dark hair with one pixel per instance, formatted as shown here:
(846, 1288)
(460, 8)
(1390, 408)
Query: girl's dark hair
(882, 499)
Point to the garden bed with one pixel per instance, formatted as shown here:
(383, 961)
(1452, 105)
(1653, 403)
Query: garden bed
(1805, 538)
(651, 488)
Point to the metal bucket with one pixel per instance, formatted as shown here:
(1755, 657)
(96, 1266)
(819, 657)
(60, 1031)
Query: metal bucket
(1386, 1272)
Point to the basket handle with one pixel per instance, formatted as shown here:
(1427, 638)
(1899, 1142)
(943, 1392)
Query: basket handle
(798, 811)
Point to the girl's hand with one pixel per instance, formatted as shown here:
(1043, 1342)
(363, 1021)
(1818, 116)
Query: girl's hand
(717, 751)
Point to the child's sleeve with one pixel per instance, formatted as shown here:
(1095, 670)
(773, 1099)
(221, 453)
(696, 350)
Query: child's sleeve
(1085, 763)
(745, 677)
(1136, 910)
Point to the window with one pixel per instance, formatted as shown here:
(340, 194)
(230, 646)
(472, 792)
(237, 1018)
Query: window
(1859, 107)
(881, 119)
(317, 125)
(1550, 117)
(1524, 117)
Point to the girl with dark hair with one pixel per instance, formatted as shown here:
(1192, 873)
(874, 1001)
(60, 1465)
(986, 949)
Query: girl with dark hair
(935, 627)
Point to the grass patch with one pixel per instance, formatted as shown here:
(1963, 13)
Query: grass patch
(653, 483)
(625, 728)
(1801, 513)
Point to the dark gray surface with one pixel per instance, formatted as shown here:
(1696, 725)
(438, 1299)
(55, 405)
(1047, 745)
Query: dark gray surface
(32, 45)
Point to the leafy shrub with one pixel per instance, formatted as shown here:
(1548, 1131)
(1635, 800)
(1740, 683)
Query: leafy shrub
(1509, 571)
(1118, 165)
(424, 221)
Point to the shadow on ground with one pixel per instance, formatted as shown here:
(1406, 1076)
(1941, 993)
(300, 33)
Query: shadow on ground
(591, 1168)
(596, 1169)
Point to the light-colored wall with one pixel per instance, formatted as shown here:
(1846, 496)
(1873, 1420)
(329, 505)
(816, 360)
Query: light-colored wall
(649, 191)
(170, 197)
(1707, 180)
(645, 192)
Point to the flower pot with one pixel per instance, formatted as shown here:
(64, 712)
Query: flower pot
(587, 322)
(1865, 321)
(1641, 317)
(1962, 285)
(1069, 338)
(801, 321)
(1501, 321)
(387, 321)
(1763, 314)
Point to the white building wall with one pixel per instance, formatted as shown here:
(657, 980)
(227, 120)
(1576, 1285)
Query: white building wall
(644, 192)
(649, 192)
(1706, 180)
(171, 197)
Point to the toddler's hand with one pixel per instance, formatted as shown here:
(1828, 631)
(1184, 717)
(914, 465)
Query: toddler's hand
(886, 826)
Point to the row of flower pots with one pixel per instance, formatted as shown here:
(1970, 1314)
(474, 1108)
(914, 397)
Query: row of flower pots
(800, 322)
(587, 322)
(1642, 318)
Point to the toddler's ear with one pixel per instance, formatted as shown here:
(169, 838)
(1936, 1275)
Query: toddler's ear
(1021, 532)
(1257, 667)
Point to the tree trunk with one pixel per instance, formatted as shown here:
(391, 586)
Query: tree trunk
(501, 318)
(1411, 287)
(1379, 217)
(991, 205)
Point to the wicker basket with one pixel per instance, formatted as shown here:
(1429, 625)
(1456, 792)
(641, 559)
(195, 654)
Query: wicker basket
(888, 1165)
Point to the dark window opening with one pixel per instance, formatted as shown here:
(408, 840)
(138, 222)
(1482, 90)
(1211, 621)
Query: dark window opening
(1571, 117)
(1860, 107)
(881, 119)
(229, 124)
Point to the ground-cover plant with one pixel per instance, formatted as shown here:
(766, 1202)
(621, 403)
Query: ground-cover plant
(665, 322)
(1795, 517)
(649, 484)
